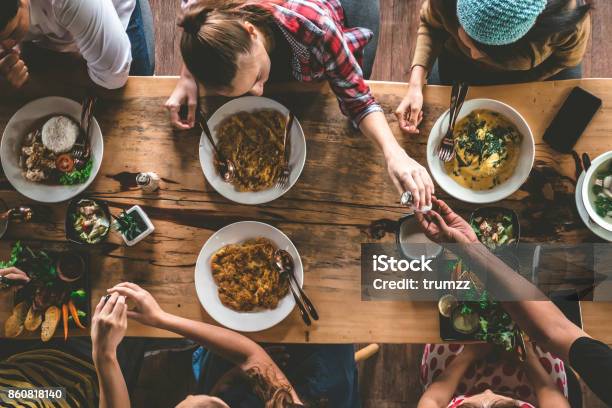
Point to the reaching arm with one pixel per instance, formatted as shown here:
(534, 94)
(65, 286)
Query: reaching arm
(547, 392)
(346, 79)
(107, 330)
(185, 94)
(442, 389)
(431, 36)
(230, 345)
(540, 318)
(406, 173)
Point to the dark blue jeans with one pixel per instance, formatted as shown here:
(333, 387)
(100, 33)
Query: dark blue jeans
(140, 35)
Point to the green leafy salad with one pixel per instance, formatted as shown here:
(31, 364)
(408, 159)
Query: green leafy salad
(39, 264)
(494, 231)
(479, 315)
(77, 176)
(495, 324)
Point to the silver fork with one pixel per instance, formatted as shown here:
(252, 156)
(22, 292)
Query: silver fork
(82, 149)
(283, 177)
(446, 150)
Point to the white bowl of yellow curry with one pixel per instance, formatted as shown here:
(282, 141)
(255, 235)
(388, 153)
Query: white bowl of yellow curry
(494, 152)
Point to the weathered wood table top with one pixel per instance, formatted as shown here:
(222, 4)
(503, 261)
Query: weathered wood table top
(343, 198)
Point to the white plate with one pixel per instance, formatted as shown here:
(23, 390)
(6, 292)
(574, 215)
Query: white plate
(584, 214)
(17, 128)
(206, 287)
(227, 190)
(523, 167)
(588, 197)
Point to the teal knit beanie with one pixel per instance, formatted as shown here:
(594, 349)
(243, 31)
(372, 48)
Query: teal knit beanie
(498, 22)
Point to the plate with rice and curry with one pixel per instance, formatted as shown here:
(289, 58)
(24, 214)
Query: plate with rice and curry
(494, 152)
(236, 281)
(45, 155)
(250, 131)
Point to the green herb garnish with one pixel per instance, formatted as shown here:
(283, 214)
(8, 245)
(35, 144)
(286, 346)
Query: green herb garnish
(495, 325)
(38, 264)
(78, 295)
(77, 176)
(15, 256)
(128, 225)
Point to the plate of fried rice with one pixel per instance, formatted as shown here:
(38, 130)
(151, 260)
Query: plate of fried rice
(250, 132)
(38, 150)
(236, 282)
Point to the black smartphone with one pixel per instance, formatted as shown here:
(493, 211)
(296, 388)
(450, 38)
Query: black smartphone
(571, 120)
(568, 302)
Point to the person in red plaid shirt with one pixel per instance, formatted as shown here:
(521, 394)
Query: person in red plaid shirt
(234, 47)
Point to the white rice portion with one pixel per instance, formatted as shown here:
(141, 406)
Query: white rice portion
(59, 134)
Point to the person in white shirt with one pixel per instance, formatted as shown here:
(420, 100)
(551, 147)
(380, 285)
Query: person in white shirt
(108, 34)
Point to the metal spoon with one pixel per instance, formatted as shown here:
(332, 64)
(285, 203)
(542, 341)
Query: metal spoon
(19, 213)
(226, 166)
(283, 262)
(586, 161)
(284, 276)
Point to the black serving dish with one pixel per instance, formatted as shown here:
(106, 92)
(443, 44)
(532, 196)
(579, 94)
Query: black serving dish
(447, 331)
(71, 234)
(490, 212)
(27, 292)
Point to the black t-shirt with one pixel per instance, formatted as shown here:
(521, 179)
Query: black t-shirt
(592, 360)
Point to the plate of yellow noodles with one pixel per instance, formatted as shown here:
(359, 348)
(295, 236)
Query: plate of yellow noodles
(494, 152)
(236, 282)
(250, 132)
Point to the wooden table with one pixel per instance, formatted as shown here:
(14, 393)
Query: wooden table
(343, 198)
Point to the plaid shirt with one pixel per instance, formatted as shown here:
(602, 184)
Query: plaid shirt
(322, 48)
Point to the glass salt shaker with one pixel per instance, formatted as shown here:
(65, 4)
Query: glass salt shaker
(407, 201)
(148, 182)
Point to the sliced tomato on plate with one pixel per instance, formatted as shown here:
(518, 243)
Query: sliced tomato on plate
(64, 163)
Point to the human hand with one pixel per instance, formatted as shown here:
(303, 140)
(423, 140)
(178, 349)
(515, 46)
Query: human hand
(185, 94)
(13, 69)
(15, 275)
(408, 175)
(108, 325)
(443, 225)
(409, 113)
(146, 309)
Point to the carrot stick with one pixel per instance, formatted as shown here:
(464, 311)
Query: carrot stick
(65, 318)
(75, 314)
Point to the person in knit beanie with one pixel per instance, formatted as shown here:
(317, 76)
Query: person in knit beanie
(485, 42)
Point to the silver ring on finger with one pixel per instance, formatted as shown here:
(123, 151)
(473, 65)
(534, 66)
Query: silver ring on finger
(406, 199)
